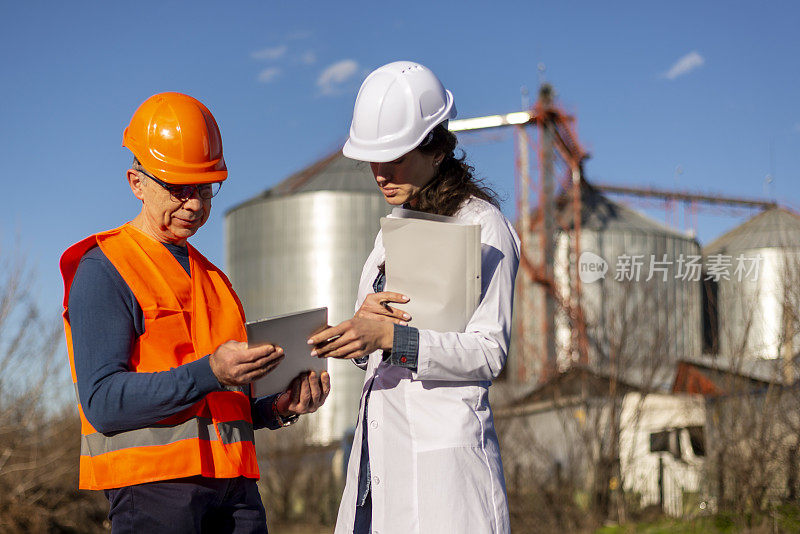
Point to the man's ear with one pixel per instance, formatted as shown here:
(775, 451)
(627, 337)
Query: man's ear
(136, 182)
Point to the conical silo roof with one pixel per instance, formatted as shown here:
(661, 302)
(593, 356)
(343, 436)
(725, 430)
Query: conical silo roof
(334, 172)
(772, 228)
(601, 214)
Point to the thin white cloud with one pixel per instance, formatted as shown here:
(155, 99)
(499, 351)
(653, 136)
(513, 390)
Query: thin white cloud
(269, 74)
(684, 65)
(335, 75)
(308, 58)
(274, 52)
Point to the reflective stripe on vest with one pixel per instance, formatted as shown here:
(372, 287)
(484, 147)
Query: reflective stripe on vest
(185, 318)
(197, 427)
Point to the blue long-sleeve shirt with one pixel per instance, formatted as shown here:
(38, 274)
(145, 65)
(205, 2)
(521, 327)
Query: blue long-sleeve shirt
(106, 320)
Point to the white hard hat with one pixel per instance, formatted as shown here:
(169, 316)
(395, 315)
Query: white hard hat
(396, 108)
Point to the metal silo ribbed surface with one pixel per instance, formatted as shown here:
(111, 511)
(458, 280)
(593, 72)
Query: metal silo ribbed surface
(302, 245)
(750, 310)
(660, 320)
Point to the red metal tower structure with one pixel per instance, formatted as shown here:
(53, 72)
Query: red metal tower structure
(550, 132)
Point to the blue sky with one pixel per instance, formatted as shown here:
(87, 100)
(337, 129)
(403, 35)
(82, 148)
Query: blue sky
(707, 86)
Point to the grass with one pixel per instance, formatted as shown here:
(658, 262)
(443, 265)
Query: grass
(783, 519)
(667, 526)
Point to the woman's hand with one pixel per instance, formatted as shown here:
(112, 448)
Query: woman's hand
(353, 338)
(376, 306)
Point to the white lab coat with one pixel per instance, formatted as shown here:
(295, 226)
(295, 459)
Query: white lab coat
(433, 451)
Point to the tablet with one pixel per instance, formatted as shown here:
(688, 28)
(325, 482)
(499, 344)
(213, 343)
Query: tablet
(290, 332)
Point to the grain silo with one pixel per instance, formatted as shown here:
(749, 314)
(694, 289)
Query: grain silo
(642, 314)
(756, 297)
(302, 244)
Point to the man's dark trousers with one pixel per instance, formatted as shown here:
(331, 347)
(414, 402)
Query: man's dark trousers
(188, 505)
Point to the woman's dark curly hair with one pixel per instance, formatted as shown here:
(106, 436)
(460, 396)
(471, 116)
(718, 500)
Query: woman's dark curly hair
(454, 181)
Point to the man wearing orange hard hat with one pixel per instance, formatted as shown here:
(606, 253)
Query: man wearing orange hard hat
(157, 347)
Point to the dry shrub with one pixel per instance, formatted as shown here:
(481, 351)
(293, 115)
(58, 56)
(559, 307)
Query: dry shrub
(299, 486)
(39, 442)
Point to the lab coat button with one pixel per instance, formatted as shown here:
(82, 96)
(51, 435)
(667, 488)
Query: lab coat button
(374, 424)
(376, 480)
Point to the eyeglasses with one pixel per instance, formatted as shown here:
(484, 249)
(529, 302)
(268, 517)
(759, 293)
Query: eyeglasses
(182, 193)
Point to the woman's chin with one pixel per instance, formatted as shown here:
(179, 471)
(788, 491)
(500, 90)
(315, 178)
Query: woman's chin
(395, 200)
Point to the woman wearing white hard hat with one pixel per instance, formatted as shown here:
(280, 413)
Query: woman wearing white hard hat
(425, 455)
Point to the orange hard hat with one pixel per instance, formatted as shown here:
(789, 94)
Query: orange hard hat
(176, 138)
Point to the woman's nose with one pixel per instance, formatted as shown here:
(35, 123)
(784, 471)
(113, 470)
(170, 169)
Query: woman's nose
(382, 173)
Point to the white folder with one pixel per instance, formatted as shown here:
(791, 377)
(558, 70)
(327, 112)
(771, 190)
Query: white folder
(436, 262)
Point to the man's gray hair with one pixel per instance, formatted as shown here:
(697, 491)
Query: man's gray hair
(136, 166)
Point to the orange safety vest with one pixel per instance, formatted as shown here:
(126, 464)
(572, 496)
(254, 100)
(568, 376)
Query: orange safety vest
(185, 318)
